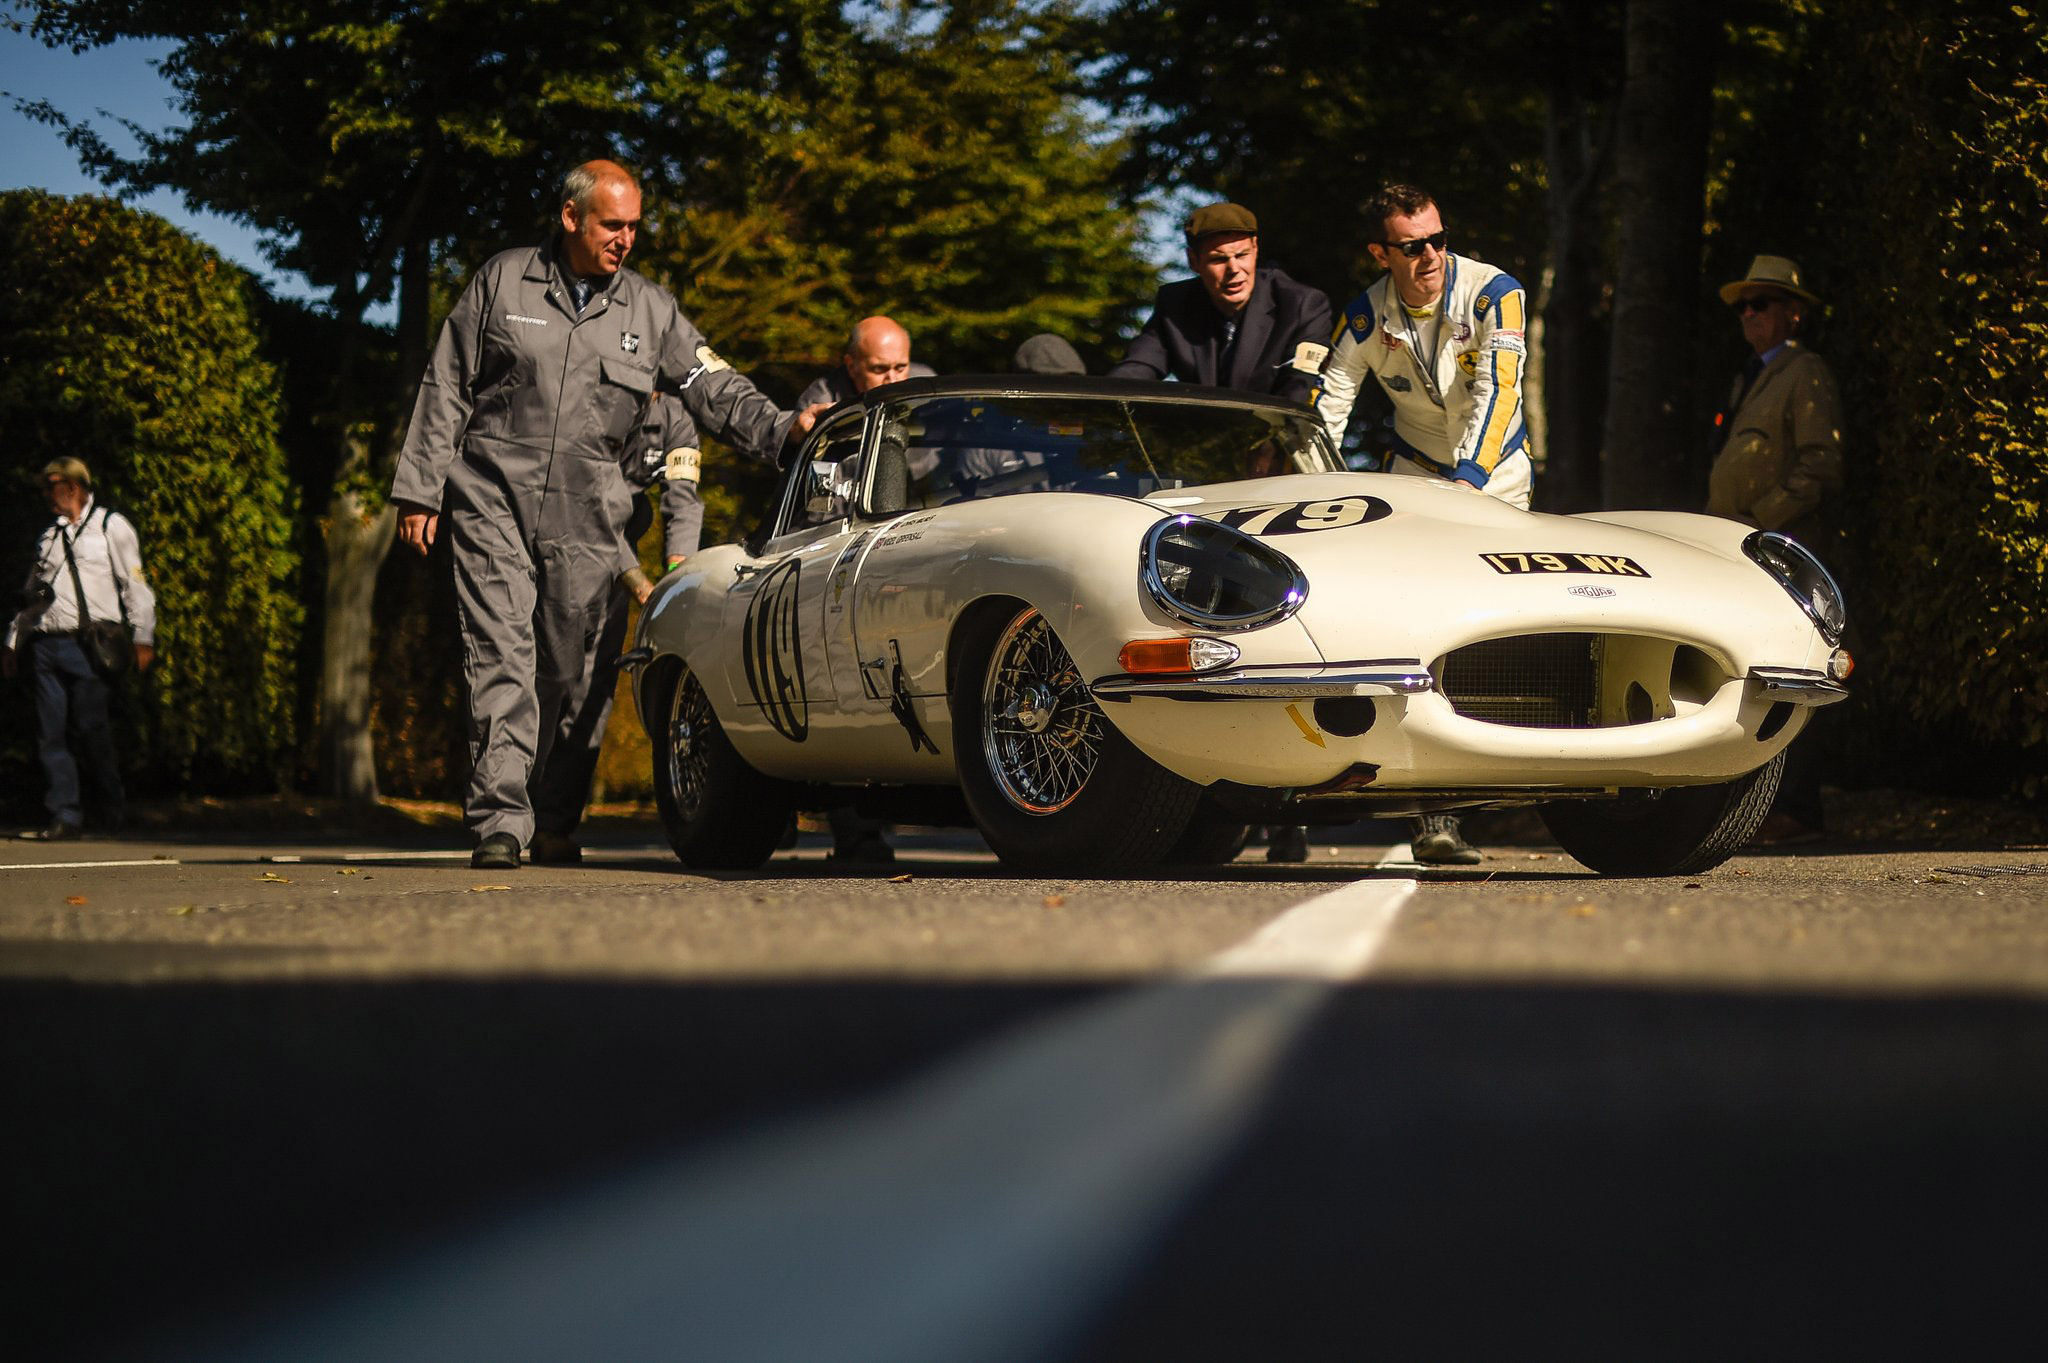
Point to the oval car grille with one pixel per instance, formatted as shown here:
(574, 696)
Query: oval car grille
(1533, 681)
(1578, 681)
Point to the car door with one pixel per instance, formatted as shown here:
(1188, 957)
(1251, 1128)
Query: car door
(781, 668)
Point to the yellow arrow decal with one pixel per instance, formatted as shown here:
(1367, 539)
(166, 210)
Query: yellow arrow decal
(1307, 730)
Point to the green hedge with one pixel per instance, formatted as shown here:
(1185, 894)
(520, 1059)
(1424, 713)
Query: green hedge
(127, 343)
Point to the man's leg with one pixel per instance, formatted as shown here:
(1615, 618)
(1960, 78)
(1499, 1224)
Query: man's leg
(857, 838)
(47, 658)
(494, 597)
(579, 667)
(93, 728)
(1436, 841)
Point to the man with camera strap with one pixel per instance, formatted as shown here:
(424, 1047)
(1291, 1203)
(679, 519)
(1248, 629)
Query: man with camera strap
(86, 613)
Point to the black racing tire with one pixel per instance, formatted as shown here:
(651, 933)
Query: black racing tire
(1052, 784)
(1213, 837)
(1678, 832)
(721, 814)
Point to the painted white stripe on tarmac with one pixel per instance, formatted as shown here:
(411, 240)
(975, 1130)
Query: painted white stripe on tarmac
(85, 865)
(977, 1213)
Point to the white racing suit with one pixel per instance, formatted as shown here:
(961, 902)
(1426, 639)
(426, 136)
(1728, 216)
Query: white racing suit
(1460, 418)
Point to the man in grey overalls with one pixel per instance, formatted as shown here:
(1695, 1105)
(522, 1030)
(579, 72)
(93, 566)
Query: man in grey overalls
(538, 382)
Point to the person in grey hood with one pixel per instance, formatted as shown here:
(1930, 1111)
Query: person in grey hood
(540, 379)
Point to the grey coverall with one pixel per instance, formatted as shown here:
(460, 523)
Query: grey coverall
(561, 790)
(524, 415)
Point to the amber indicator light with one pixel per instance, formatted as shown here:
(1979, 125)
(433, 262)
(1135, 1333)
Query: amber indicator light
(1156, 655)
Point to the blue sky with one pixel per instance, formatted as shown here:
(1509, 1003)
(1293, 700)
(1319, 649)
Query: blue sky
(121, 80)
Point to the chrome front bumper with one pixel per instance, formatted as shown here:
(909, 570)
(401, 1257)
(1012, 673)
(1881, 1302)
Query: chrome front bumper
(1378, 677)
(1796, 686)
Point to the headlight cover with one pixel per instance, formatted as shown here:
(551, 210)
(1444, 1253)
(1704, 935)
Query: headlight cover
(1214, 577)
(1802, 575)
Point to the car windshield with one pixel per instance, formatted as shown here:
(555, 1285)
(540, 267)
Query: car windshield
(960, 447)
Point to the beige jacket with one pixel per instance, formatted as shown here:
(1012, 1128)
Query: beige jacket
(1783, 454)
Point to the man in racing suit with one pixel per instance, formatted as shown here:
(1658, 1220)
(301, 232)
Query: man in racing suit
(1442, 334)
(539, 379)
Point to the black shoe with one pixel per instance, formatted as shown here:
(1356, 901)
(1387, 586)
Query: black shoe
(58, 831)
(866, 850)
(1287, 842)
(553, 849)
(498, 852)
(1437, 842)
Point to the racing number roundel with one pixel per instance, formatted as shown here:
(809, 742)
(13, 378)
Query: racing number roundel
(774, 654)
(1298, 518)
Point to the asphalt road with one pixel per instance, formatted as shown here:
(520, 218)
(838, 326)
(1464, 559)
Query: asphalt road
(373, 1103)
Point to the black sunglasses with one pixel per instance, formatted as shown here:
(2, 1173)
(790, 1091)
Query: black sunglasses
(1411, 249)
(1755, 303)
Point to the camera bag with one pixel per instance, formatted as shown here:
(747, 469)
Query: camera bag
(109, 645)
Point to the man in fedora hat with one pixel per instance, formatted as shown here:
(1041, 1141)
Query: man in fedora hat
(1779, 458)
(1780, 448)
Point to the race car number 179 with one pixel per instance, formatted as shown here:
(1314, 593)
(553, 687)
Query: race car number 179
(1296, 518)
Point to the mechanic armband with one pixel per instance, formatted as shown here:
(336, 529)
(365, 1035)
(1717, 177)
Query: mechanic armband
(682, 465)
(1309, 357)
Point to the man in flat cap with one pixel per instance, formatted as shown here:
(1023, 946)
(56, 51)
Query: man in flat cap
(1780, 458)
(1235, 324)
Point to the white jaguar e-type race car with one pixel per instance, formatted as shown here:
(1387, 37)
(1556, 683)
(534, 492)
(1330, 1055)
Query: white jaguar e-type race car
(1114, 623)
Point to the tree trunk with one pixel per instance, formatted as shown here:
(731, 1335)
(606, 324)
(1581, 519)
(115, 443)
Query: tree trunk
(1582, 46)
(1660, 185)
(1570, 334)
(357, 540)
(358, 534)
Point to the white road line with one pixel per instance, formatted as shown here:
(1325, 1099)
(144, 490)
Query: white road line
(336, 858)
(83, 865)
(976, 1213)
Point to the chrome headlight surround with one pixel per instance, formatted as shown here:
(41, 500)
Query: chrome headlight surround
(1208, 575)
(1803, 578)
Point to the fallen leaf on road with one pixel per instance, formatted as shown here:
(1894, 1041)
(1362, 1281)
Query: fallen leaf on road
(180, 909)
(1583, 910)
(485, 889)
(348, 871)
(274, 878)
(1536, 856)
(903, 879)
(1744, 871)
(1692, 884)
(1053, 901)
(74, 899)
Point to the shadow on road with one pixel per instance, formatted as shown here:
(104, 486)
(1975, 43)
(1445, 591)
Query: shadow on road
(1440, 1172)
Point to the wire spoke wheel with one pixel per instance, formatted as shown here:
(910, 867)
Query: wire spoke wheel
(1052, 783)
(1041, 731)
(720, 813)
(687, 750)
